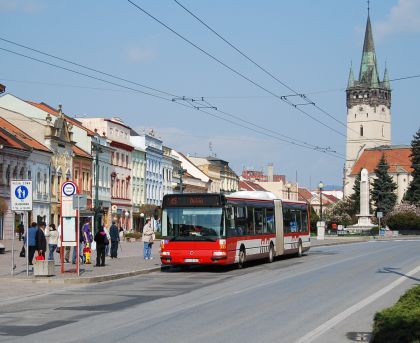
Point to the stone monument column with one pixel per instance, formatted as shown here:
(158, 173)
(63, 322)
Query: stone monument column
(364, 223)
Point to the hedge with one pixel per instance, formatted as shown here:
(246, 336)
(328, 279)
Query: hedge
(401, 322)
(404, 221)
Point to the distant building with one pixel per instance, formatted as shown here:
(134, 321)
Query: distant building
(398, 159)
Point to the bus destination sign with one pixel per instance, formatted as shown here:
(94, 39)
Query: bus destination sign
(192, 200)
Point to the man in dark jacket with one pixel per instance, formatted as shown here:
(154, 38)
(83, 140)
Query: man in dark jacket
(31, 237)
(115, 238)
(101, 241)
(41, 242)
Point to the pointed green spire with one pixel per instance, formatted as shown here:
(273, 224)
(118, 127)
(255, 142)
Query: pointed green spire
(386, 82)
(350, 83)
(368, 69)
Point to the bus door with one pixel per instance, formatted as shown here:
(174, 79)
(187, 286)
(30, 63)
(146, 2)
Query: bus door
(278, 210)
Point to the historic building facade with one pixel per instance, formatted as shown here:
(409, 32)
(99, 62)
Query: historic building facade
(119, 139)
(368, 109)
(154, 172)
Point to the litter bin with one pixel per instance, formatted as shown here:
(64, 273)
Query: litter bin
(44, 268)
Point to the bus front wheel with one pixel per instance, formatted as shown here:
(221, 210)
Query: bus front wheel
(242, 258)
(300, 250)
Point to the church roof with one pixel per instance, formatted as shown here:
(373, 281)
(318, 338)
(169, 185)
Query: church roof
(368, 68)
(397, 157)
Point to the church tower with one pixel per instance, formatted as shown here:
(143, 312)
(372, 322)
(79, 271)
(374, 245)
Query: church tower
(368, 109)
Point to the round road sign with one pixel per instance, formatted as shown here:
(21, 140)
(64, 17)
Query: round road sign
(69, 188)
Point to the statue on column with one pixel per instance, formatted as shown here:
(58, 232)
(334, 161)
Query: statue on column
(364, 223)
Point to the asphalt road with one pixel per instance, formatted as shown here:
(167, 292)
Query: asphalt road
(328, 295)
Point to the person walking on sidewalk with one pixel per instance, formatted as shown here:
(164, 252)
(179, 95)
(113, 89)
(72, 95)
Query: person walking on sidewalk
(52, 241)
(41, 242)
(109, 240)
(115, 238)
(31, 237)
(147, 238)
(21, 230)
(101, 242)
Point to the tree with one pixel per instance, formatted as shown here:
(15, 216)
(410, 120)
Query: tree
(383, 192)
(339, 212)
(313, 218)
(354, 204)
(413, 192)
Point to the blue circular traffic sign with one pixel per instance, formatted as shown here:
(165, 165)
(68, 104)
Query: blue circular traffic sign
(21, 192)
(69, 188)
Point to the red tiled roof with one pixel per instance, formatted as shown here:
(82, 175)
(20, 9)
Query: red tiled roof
(398, 157)
(47, 108)
(330, 197)
(122, 145)
(304, 194)
(250, 186)
(80, 152)
(25, 140)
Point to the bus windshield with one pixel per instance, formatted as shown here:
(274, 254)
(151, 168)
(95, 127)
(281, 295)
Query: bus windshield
(188, 224)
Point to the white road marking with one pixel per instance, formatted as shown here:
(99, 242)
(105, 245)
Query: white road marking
(309, 337)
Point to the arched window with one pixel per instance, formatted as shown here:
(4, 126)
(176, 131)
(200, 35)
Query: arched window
(361, 130)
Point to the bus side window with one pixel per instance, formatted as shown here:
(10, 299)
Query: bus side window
(287, 218)
(304, 220)
(250, 222)
(240, 220)
(230, 221)
(259, 220)
(269, 220)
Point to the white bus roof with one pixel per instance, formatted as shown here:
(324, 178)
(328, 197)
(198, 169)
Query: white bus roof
(258, 195)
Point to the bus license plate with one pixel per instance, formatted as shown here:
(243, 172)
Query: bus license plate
(191, 260)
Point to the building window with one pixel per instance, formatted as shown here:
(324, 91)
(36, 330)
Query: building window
(361, 130)
(382, 131)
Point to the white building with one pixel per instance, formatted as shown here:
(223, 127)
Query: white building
(368, 109)
(154, 171)
(22, 157)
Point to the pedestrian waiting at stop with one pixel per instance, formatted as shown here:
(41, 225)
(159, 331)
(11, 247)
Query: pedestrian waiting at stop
(41, 241)
(115, 238)
(101, 242)
(52, 241)
(21, 230)
(147, 238)
(31, 237)
(108, 236)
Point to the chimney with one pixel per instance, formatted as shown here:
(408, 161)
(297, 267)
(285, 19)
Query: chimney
(270, 172)
(2, 88)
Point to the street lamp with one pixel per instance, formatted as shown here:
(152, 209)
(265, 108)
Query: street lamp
(126, 214)
(181, 174)
(321, 185)
(288, 186)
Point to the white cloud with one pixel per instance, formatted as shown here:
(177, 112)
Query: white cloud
(403, 17)
(139, 55)
(27, 6)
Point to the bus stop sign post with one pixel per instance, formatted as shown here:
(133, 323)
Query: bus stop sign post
(21, 201)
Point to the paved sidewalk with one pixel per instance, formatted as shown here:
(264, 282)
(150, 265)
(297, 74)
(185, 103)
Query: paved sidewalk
(130, 262)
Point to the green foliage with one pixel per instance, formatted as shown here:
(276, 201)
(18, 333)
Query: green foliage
(384, 187)
(400, 323)
(413, 192)
(313, 219)
(355, 198)
(339, 212)
(403, 221)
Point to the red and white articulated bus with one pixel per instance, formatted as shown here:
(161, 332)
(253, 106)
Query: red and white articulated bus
(216, 229)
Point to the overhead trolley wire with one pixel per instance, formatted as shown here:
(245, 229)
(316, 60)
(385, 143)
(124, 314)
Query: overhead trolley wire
(282, 98)
(187, 104)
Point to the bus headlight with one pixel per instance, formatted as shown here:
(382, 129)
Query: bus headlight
(166, 253)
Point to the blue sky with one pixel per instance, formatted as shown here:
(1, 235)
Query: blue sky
(306, 44)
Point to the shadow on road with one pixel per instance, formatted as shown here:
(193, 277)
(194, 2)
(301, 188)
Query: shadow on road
(392, 270)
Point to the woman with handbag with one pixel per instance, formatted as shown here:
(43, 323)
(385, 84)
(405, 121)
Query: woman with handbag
(52, 241)
(147, 238)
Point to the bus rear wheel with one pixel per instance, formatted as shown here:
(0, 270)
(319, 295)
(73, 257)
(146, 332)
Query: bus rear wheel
(271, 254)
(242, 258)
(300, 250)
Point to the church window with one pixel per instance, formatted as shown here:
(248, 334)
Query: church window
(365, 95)
(360, 96)
(383, 109)
(360, 108)
(361, 130)
(355, 115)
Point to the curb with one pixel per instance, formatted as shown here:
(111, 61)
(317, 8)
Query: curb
(85, 280)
